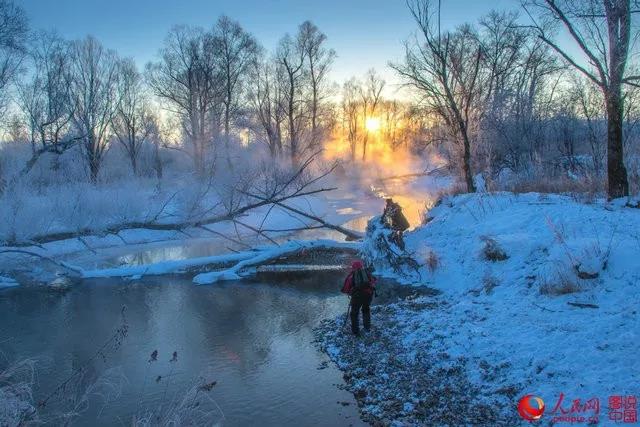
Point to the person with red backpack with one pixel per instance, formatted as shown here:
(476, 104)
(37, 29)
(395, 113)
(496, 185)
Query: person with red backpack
(360, 286)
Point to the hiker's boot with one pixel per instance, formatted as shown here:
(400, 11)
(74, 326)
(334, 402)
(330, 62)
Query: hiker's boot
(355, 329)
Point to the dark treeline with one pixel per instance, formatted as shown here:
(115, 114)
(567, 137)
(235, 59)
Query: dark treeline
(506, 95)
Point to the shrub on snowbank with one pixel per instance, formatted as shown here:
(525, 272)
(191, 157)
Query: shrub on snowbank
(559, 284)
(492, 250)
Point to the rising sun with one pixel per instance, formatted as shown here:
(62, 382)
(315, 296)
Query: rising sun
(372, 124)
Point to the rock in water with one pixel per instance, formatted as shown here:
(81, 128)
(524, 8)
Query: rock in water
(60, 284)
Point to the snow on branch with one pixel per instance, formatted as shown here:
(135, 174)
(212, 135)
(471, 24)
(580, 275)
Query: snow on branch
(271, 187)
(225, 267)
(247, 265)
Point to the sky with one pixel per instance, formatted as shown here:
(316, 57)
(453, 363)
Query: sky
(365, 33)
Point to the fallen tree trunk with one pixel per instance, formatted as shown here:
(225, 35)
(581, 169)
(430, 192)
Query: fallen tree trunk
(277, 191)
(264, 256)
(583, 305)
(75, 271)
(170, 267)
(179, 226)
(350, 234)
(228, 266)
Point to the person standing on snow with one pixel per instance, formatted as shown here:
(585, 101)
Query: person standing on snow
(394, 219)
(360, 286)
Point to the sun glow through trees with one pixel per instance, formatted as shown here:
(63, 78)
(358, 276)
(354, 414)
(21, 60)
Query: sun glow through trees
(373, 124)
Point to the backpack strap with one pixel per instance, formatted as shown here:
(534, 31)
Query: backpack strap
(347, 287)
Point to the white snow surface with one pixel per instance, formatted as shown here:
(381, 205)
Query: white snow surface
(496, 312)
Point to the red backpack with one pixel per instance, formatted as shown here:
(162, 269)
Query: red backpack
(358, 280)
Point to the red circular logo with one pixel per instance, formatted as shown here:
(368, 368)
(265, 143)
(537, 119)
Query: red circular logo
(531, 407)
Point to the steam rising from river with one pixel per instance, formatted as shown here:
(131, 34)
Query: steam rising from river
(388, 172)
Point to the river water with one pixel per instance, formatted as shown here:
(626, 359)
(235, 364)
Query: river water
(253, 338)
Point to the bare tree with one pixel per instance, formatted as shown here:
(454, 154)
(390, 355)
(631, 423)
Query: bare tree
(502, 43)
(13, 36)
(351, 108)
(516, 69)
(591, 107)
(602, 31)
(370, 94)
(235, 51)
(94, 96)
(392, 113)
(319, 58)
(186, 78)
(16, 129)
(290, 57)
(133, 121)
(445, 69)
(266, 99)
(156, 139)
(45, 101)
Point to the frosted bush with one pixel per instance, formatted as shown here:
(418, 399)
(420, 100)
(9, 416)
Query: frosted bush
(28, 213)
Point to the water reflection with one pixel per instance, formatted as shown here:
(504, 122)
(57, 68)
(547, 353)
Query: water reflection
(195, 248)
(180, 250)
(253, 338)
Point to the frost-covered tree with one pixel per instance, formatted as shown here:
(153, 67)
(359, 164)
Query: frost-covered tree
(444, 67)
(291, 57)
(591, 109)
(94, 96)
(133, 121)
(265, 98)
(351, 114)
(45, 100)
(13, 37)
(235, 51)
(319, 60)
(602, 31)
(518, 74)
(187, 80)
(298, 83)
(370, 96)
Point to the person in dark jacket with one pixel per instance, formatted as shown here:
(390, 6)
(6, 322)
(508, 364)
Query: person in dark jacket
(394, 219)
(360, 285)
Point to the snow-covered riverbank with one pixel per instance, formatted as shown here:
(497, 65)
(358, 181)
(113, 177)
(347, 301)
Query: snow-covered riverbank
(139, 251)
(539, 295)
(136, 252)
